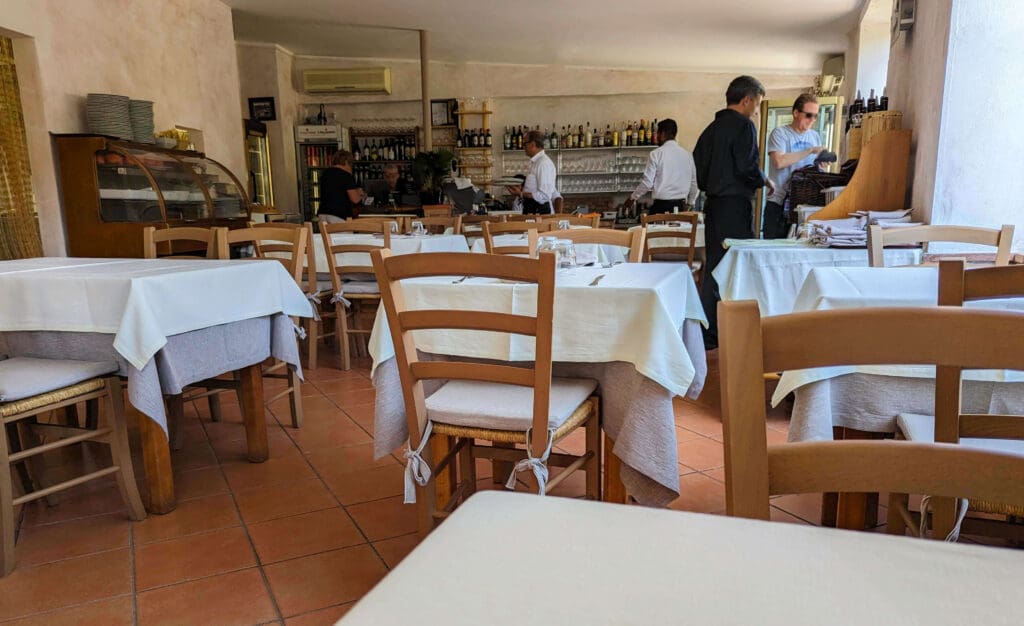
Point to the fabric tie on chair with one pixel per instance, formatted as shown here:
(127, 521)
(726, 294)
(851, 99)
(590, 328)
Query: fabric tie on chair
(314, 298)
(336, 298)
(417, 470)
(300, 331)
(961, 513)
(538, 465)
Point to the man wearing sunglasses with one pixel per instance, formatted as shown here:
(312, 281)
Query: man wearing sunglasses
(790, 148)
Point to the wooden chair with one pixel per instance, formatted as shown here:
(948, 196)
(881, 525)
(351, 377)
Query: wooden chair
(475, 220)
(315, 290)
(674, 254)
(593, 221)
(212, 238)
(751, 346)
(532, 408)
(287, 244)
(30, 387)
(633, 239)
(440, 225)
(950, 424)
(354, 283)
(401, 222)
(879, 237)
(437, 210)
(529, 246)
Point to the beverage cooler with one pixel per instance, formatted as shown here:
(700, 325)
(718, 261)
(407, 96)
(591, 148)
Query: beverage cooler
(314, 147)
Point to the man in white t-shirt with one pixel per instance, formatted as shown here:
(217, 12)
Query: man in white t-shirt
(790, 148)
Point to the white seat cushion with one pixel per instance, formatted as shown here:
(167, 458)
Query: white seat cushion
(922, 428)
(24, 377)
(361, 286)
(504, 407)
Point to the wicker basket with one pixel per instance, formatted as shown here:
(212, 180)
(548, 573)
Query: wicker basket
(880, 120)
(807, 186)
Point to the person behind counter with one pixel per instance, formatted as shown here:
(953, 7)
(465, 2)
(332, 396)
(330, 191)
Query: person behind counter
(670, 175)
(538, 191)
(340, 194)
(392, 189)
(790, 148)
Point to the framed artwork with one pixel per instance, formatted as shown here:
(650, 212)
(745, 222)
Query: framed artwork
(442, 112)
(262, 109)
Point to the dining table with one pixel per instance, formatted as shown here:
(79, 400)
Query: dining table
(168, 323)
(507, 558)
(633, 327)
(771, 271)
(400, 244)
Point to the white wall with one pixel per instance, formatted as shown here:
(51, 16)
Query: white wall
(978, 179)
(178, 53)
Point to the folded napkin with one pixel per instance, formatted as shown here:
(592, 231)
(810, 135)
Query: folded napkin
(899, 223)
(846, 223)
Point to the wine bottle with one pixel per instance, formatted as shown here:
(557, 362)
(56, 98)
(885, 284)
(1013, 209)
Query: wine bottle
(553, 138)
(355, 151)
(487, 138)
(872, 102)
(883, 103)
(615, 137)
(589, 137)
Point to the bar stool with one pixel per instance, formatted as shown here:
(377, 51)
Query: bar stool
(30, 387)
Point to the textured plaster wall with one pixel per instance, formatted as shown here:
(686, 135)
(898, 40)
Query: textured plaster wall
(527, 94)
(916, 80)
(978, 180)
(178, 53)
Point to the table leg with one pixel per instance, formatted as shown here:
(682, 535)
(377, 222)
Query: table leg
(857, 511)
(614, 490)
(156, 460)
(445, 481)
(253, 413)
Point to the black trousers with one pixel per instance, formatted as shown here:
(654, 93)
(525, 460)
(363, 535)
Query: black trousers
(725, 217)
(776, 225)
(665, 206)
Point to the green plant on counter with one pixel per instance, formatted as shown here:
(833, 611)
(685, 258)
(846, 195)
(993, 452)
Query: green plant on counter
(432, 167)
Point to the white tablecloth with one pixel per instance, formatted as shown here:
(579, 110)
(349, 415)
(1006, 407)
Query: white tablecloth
(772, 273)
(400, 244)
(633, 315)
(585, 252)
(529, 560)
(142, 301)
(671, 242)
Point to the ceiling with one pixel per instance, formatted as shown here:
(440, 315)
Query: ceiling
(708, 35)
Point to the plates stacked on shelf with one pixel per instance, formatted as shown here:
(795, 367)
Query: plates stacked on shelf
(141, 116)
(508, 180)
(108, 114)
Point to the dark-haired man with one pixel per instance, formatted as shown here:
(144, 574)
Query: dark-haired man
(670, 175)
(729, 172)
(538, 192)
(790, 148)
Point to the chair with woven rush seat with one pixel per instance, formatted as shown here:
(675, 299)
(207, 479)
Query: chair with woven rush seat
(528, 230)
(752, 345)
(212, 238)
(878, 238)
(286, 244)
(632, 240)
(352, 277)
(1002, 433)
(30, 387)
(503, 404)
(673, 253)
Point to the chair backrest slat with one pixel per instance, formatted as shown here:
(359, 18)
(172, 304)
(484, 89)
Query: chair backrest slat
(440, 224)
(999, 238)
(633, 239)
(339, 271)
(278, 239)
(689, 251)
(210, 237)
(593, 221)
(528, 248)
(402, 321)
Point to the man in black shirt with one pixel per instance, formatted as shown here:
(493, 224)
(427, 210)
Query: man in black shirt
(729, 172)
(340, 194)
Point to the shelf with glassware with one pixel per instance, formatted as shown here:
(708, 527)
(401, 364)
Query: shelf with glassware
(588, 171)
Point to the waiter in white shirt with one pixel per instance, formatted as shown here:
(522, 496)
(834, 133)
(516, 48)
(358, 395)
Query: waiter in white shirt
(538, 191)
(670, 174)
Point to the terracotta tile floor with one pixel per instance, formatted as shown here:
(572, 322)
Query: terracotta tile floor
(295, 540)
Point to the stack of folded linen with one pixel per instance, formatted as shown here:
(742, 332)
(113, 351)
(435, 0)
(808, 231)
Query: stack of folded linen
(843, 233)
(887, 219)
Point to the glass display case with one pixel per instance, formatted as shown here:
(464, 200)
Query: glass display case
(113, 189)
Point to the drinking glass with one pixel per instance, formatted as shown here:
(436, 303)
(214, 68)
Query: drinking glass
(417, 229)
(563, 224)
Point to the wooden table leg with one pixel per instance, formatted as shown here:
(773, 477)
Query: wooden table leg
(254, 413)
(614, 490)
(852, 509)
(445, 481)
(156, 460)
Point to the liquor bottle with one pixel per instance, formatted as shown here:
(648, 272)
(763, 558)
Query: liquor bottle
(653, 135)
(487, 138)
(589, 137)
(565, 142)
(608, 135)
(355, 153)
(553, 138)
(630, 135)
(505, 143)
(857, 110)
(458, 140)
(883, 103)
(641, 133)
(519, 138)
(598, 137)
(872, 102)
(615, 137)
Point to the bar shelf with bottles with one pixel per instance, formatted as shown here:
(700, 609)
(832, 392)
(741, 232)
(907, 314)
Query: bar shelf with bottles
(373, 151)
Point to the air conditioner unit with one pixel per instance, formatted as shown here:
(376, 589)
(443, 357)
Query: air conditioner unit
(348, 80)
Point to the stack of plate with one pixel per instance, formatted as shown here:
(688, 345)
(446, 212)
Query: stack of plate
(141, 114)
(108, 114)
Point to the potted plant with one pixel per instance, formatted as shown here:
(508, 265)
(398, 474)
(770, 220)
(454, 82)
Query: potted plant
(431, 169)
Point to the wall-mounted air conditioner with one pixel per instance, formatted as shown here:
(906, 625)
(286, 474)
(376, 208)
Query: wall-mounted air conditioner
(348, 80)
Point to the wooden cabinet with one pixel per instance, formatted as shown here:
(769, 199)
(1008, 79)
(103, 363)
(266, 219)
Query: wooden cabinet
(113, 189)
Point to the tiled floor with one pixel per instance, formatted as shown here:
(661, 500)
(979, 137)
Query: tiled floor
(294, 540)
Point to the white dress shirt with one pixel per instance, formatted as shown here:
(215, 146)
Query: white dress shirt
(670, 173)
(540, 181)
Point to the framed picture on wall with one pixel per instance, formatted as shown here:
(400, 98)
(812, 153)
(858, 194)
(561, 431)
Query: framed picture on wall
(262, 109)
(442, 112)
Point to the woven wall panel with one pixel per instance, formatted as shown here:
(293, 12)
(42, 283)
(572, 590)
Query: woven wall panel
(19, 224)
